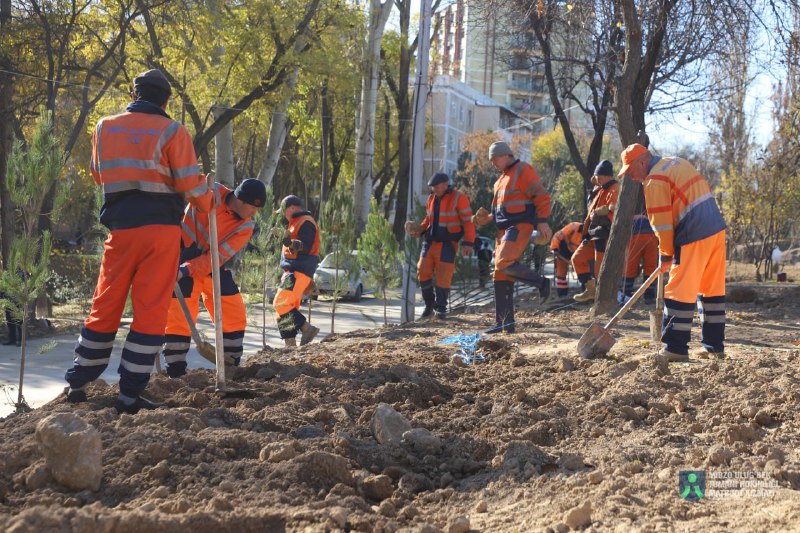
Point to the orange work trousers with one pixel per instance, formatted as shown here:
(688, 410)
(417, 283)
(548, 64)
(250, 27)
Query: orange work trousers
(509, 247)
(437, 259)
(580, 260)
(143, 261)
(287, 303)
(234, 317)
(642, 247)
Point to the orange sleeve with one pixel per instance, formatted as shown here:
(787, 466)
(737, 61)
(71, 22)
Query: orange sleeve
(465, 216)
(658, 197)
(532, 187)
(94, 165)
(185, 171)
(228, 247)
(613, 197)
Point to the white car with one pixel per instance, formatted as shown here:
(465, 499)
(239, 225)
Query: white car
(326, 274)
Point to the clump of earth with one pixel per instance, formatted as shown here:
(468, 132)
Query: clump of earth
(384, 430)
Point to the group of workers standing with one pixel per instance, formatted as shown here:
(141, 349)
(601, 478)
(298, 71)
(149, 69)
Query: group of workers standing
(681, 231)
(147, 166)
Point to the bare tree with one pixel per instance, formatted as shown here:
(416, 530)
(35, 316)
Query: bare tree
(365, 139)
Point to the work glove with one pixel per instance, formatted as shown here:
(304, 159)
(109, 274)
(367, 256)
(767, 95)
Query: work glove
(295, 246)
(481, 217)
(665, 264)
(466, 250)
(602, 211)
(413, 229)
(544, 230)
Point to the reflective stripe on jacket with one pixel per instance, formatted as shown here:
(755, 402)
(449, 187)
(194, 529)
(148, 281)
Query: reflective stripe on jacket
(680, 204)
(519, 196)
(233, 233)
(571, 234)
(641, 225)
(454, 218)
(146, 164)
(307, 259)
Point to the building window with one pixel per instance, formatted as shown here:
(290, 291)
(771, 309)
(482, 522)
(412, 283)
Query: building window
(469, 118)
(453, 111)
(461, 115)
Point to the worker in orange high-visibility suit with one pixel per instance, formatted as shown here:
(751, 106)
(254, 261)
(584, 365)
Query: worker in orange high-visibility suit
(563, 245)
(299, 259)
(520, 202)
(235, 211)
(448, 219)
(642, 249)
(596, 230)
(691, 241)
(146, 164)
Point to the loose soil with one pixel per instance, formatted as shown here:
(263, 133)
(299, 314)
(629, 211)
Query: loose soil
(528, 437)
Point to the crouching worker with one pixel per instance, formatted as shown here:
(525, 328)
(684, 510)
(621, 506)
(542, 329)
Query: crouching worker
(563, 245)
(235, 211)
(299, 259)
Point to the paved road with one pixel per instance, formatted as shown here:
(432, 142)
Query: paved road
(48, 358)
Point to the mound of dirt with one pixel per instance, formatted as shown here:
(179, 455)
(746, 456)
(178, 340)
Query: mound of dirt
(534, 438)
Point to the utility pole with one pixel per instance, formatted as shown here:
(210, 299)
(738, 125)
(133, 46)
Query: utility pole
(417, 146)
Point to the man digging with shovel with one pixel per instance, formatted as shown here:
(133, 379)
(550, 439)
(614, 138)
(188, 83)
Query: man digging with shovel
(235, 210)
(691, 241)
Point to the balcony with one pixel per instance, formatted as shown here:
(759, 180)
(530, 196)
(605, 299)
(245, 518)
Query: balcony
(526, 85)
(530, 109)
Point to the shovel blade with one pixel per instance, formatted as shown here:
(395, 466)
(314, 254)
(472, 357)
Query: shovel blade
(656, 319)
(595, 342)
(207, 351)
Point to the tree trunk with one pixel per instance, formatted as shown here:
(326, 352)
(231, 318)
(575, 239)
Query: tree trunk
(326, 120)
(614, 260)
(223, 153)
(6, 141)
(278, 129)
(403, 127)
(365, 143)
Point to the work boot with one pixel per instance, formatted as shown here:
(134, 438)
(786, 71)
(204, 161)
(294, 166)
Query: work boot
(307, 333)
(75, 396)
(441, 315)
(138, 404)
(504, 307)
(588, 294)
(427, 313)
(442, 295)
(524, 274)
(291, 342)
(672, 357)
(544, 290)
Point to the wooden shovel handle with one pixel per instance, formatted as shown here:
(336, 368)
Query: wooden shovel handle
(636, 295)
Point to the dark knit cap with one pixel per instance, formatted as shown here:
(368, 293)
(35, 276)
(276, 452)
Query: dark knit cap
(154, 78)
(252, 192)
(605, 168)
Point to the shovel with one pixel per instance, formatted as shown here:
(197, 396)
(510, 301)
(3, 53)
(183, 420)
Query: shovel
(204, 347)
(597, 340)
(657, 316)
(219, 343)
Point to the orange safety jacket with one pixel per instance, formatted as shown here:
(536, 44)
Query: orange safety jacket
(570, 235)
(146, 164)
(680, 204)
(304, 228)
(233, 233)
(448, 218)
(519, 197)
(606, 196)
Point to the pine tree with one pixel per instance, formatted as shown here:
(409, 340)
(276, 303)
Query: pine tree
(260, 265)
(33, 170)
(379, 254)
(337, 225)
